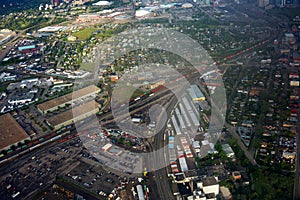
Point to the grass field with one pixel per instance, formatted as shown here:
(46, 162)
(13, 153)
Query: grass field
(84, 34)
(90, 67)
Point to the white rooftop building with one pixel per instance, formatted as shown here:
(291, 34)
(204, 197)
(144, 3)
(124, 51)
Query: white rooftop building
(209, 185)
(103, 3)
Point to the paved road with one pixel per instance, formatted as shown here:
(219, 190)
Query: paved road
(297, 173)
(231, 129)
(296, 192)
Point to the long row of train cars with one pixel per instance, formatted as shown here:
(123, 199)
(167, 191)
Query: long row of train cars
(34, 144)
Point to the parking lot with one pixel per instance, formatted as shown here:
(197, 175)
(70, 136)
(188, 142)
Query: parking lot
(36, 170)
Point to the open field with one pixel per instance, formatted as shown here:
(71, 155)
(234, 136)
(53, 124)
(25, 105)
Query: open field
(88, 67)
(84, 34)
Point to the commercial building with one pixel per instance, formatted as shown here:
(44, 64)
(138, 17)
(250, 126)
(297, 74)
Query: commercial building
(71, 116)
(11, 133)
(62, 101)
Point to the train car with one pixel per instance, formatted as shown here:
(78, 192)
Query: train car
(63, 140)
(9, 151)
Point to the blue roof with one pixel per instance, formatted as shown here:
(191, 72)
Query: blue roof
(197, 91)
(26, 47)
(171, 138)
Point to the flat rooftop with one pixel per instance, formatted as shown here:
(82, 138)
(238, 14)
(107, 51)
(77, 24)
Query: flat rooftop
(197, 91)
(67, 98)
(227, 149)
(10, 131)
(207, 181)
(75, 112)
(51, 29)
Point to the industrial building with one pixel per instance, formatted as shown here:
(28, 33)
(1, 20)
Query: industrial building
(88, 17)
(26, 47)
(49, 30)
(76, 114)
(22, 99)
(140, 191)
(62, 101)
(6, 35)
(228, 150)
(11, 133)
(196, 146)
(195, 93)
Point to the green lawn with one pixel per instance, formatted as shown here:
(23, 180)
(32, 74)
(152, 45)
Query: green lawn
(84, 34)
(90, 67)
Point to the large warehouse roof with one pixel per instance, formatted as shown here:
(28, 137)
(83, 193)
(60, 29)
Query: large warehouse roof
(73, 113)
(196, 93)
(51, 29)
(67, 98)
(10, 131)
(103, 3)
